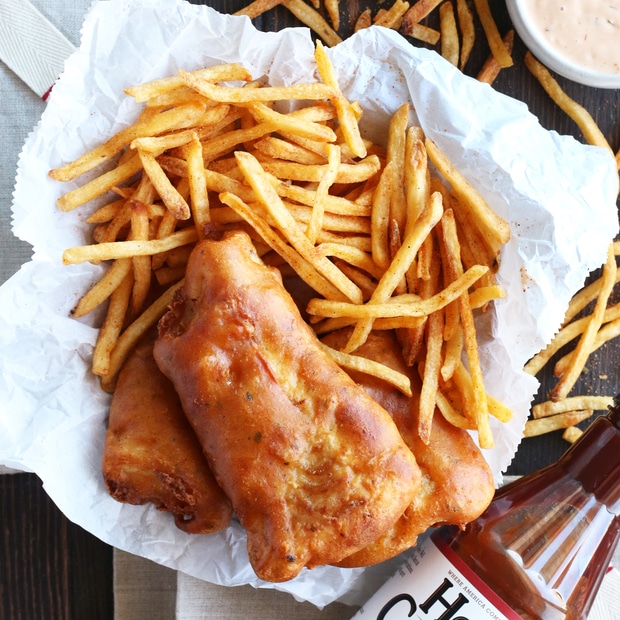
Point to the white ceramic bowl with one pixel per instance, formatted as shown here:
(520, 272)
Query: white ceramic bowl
(550, 56)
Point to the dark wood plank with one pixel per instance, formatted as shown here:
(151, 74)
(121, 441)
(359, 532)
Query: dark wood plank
(49, 567)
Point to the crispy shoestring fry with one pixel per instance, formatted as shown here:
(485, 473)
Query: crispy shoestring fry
(258, 7)
(127, 249)
(497, 45)
(392, 18)
(578, 113)
(314, 20)
(400, 264)
(449, 33)
(468, 31)
(130, 337)
(406, 305)
(103, 288)
(376, 369)
(491, 68)
(555, 422)
(580, 355)
(571, 403)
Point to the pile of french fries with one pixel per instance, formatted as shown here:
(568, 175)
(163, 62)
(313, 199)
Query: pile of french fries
(454, 38)
(204, 154)
(382, 242)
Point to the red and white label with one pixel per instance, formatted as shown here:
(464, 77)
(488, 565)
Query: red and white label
(435, 584)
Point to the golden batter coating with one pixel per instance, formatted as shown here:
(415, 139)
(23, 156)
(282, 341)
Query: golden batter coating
(457, 482)
(151, 453)
(314, 467)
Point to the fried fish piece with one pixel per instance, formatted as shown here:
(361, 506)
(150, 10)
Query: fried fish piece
(151, 454)
(457, 482)
(314, 467)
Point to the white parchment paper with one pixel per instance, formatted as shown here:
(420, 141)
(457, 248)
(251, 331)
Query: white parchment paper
(559, 197)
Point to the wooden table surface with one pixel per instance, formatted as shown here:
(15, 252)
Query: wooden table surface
(52, 569)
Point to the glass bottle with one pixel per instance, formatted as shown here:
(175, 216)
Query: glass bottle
(539, 551)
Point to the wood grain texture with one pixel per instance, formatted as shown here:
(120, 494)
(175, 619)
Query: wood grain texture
(49, 567)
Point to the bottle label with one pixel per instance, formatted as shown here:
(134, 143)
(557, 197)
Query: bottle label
(435, 584)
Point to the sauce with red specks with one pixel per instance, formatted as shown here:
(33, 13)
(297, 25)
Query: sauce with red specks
(584, 32)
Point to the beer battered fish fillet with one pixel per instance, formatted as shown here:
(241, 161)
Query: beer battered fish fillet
(457, 482)
(314, 467)
(151, 453)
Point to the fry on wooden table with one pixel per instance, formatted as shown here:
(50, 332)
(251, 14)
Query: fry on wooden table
(583, 348)
(556, 422)
(577, 112)
(496, 43)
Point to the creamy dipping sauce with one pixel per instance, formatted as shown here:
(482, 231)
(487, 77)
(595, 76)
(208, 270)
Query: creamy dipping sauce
(585, 32)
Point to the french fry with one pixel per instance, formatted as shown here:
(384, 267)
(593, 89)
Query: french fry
(572, 434)
(566, 334)
(231, 72)
(571, 403)
(584, 346)
(392, 17)
(103, 288)
(345, 111)
(549, 424)
(606, 333)
(380, 217)
(452, 414)
(430, 375)
(112, 325)
(132, 334)
(168, 120)
(496, 44)
(197, 177)
(141, 264)
(587, 294)
(173, 200)
(364, 20)
(417, 177)
(468, 31)
(347, 173)
(257, 179)
(224, 94)
(494, 229)
(99, 185)
(578, 113)
(333, 11)
(283, 149)
(482, 296)
(422, 33)
(258, 7)
(396, 148)
(480, 404)
(449, 33)
(400, 306)
(328, 179)
(418, 11)
(127, 249)
(491, 68)
(314, 20)
(398, 268)
(376, 369)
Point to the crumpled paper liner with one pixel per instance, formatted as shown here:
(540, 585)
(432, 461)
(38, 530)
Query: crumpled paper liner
(559, 197)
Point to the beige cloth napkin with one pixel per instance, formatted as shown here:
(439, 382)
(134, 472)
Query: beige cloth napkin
(144, 590)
